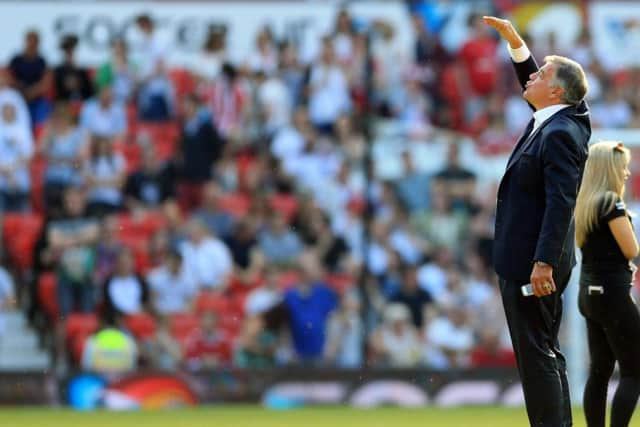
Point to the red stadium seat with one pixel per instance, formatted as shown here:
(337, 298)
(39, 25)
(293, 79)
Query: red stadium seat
(286, 204)
(20, 233)
(287, 279)
(235, 204)
(141, 325)
(80, 324)
(47, 296)
(183, 81)
(207, 301)
(183, 325)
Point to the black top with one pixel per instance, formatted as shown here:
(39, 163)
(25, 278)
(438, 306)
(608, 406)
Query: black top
(602, 258)
(151, 189)
(72, 83)
(415, 302)
(28, 71)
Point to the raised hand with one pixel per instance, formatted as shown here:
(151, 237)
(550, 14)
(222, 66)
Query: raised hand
(505, 29)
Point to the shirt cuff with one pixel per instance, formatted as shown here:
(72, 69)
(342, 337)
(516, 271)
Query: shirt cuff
(520, 54)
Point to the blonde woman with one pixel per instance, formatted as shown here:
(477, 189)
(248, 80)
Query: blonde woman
(605, 234)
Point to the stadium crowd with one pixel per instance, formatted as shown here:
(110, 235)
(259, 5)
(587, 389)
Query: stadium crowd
(216, 213)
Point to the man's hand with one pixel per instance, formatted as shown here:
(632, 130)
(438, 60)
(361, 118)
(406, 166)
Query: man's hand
(505, 29)
(542, 279)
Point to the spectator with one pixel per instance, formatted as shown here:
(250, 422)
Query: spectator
(455, 180)
(72, 83)
(265, 297)
(71, 243)
(413, 187)
(345, 333)
(229, 101)
(152, 184)
(248, 259)
(162, 350)
(16, 150)
(29, 72)
(207, 63)
(152, 47)
(219, 222)
(289, 141)
(452, 335)
(393, 60)
(104, 116)
(200, 148)
(343, 36)
(64, 145)
(125, 292)
(9, 95)
(292, 73)
(257, 344)
(411, 105)
(206, 258)
(172, 287)
(264, 58)
(104, 174)
(395, 342)
(479, 57)
(279, 243)
(412, 296)
(329, 93)
(156, 96)
(209, 347)
(119, 73)
(107, 249)
(273, 103)
(309, 304)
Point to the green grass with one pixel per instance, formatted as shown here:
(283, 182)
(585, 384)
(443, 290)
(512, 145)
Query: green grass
(254, 416)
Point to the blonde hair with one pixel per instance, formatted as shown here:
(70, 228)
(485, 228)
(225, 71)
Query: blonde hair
(602, 184)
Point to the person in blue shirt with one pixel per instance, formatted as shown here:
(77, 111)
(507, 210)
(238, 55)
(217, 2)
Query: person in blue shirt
(309, 304)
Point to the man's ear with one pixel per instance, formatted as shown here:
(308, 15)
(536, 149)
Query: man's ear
(557, 92)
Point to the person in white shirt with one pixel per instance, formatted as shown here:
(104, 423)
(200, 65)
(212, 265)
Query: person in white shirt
(105, 175)
(9, 95)
(207, 259)
(266, 296)
(172, 287)
(16, 150)
(153, 47)
(125, 293)
(329, 90)
(103, 116)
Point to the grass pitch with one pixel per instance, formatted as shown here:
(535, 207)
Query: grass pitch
(255, 416)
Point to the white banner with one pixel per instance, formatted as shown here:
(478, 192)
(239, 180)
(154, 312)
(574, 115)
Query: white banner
(182, 24)
(615, 31)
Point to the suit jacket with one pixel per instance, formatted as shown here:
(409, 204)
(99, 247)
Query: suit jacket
(537, 194)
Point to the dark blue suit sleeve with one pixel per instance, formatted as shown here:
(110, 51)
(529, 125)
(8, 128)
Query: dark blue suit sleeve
(562, 173)
(524, 70)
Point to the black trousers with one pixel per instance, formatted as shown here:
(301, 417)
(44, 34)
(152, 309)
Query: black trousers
(613, 332)
(534, 324)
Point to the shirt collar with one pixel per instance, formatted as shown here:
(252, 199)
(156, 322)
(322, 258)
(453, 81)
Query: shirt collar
(544, 113)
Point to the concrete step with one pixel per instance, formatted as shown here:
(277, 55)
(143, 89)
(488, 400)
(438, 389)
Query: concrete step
(37, 361)
(14, 320)
(24, 339)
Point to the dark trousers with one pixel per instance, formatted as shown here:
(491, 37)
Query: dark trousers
(534, 324)
(613, 332)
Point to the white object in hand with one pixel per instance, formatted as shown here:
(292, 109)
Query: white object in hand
(527, 290)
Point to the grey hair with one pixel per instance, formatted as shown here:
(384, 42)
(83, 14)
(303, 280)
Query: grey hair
(570, 77)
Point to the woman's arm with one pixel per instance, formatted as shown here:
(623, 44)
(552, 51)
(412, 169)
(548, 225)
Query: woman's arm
(623, 233)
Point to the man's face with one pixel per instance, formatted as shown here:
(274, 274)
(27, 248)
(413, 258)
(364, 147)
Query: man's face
(539, 90)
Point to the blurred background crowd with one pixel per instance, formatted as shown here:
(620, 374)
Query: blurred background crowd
(234, 213)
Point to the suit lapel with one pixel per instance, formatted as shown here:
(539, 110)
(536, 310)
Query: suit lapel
(524, 144)
(523, 138)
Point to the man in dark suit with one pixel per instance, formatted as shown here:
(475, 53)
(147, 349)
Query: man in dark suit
(534, 231)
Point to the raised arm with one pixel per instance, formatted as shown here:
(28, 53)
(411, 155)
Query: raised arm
(523, 61)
